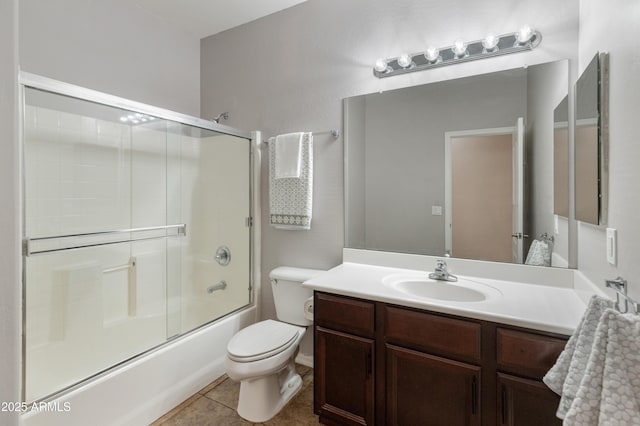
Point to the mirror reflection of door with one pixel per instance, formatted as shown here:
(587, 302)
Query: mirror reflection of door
(586, 182)
(484, 193)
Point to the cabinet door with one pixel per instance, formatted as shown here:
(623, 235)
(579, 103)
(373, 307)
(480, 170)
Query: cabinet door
(344, 385)
(524, 402)
(424, 389)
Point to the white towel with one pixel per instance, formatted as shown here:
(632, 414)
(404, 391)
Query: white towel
(565, 376)
(291, 199)
(609, 393)
(288, 155)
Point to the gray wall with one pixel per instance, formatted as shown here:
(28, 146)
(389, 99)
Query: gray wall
(613, 27)
(9, 223)
(108, 46)
(114, 47)
(289, 71)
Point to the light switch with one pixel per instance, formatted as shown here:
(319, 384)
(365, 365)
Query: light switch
(612, 243)
(436, 210)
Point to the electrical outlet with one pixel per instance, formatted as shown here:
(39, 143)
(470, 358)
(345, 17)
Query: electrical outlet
(612, 243)
(436, 210)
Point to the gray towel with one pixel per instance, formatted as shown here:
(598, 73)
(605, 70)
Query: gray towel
(565, 376)
(609, 393)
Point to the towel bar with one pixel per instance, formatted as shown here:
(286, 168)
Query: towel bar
(620, 286)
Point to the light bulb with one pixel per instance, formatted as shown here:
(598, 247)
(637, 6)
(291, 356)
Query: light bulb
(130, 117)
(135, 121)
(123, 119)
(432, 53)
(524, 34)
(381, 65)
(404, 60)
(459, 48)
(490, 42)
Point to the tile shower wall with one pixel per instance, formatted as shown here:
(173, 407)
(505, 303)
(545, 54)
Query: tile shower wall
(72, 188)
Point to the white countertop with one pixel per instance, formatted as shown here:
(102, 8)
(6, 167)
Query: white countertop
(556, 309)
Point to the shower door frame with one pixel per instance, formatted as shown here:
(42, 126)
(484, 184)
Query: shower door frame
(34, 81)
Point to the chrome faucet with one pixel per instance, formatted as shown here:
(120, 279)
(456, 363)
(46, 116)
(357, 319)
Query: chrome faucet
(442, 273)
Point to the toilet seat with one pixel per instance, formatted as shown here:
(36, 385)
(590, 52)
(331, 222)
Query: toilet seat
(262, 340)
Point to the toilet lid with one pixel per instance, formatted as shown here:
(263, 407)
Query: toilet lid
(261, 340)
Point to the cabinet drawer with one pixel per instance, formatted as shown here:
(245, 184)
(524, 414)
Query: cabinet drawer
(345, 314)
(527, 354)
(435, 334)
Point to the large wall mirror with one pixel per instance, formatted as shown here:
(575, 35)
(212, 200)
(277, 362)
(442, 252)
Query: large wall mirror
(592, 142)
(461, 167)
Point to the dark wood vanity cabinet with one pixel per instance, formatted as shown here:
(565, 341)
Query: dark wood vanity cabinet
(377, 363)
(426, 389)
(433, 374)
(344, 373)
(523, 358)
(525, 402)
(344, 359)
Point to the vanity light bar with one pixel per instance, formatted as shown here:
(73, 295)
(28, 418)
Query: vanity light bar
(524, 39)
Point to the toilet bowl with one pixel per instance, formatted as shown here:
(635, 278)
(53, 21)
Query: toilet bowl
(261, 356)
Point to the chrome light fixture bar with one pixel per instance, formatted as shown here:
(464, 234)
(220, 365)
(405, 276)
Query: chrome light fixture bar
(523, 40)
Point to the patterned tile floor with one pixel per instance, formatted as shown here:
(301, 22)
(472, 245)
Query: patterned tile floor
(216, 404)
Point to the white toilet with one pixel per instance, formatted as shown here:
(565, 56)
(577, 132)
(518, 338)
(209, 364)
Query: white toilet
(261, 356)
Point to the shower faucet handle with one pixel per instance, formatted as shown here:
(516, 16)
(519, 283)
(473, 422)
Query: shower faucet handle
(223, 255)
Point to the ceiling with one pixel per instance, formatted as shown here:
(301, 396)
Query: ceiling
(203, 18)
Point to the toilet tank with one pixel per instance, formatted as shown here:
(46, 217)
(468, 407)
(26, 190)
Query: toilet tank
(289, 295)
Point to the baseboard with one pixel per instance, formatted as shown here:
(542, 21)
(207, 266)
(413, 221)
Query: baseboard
(306, 360)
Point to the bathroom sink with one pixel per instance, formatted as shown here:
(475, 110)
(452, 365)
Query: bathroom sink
(423, 287)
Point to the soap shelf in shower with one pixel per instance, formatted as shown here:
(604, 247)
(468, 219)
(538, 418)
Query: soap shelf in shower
(42, 245)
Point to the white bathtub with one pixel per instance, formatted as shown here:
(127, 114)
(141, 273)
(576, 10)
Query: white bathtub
(142, 390)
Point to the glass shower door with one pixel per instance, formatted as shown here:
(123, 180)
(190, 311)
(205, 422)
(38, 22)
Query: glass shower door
(94, 280)
(123, 216)
(213, 173)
